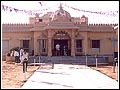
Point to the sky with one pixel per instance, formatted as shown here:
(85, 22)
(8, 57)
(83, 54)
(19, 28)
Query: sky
(92, 6)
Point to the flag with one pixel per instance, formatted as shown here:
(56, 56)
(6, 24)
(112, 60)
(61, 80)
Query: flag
(16, 10)
(10, 9)
(116, 30)
(40, 3)
(3, 7)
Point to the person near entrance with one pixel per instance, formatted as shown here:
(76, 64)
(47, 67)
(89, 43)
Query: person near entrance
(16, 55)
(65, 51)
(57, 49)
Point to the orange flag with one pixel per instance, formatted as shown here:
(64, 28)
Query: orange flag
(117, 31)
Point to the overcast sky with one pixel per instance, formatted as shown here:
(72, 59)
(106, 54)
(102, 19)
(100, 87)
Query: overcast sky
(93, 6)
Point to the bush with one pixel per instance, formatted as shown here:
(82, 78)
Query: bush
(8, 54)
(15, 48)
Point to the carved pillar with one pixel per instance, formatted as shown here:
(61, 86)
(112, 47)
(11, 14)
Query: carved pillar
(85, 43)
(49, 47)
(49, 43)
(73, 43)
(35, 46)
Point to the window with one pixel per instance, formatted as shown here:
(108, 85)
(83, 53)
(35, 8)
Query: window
(5, 46)
(95, 43)
(40, 20)
(25, 44)
(43, 45)
(79, 45)
(95, 46)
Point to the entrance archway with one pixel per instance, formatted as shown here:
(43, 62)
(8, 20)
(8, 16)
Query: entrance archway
(63, 39)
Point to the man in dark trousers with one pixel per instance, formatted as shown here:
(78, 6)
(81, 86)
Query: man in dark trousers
(16, 55)
(25, 63)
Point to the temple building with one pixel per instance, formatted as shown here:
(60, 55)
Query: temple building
(74, 35)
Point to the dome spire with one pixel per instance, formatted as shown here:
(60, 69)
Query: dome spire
(61, 8)
(61, 14)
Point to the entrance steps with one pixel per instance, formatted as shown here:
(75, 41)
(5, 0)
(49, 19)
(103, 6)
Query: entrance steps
(80, 60)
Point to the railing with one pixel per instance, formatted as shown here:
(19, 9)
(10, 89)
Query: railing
(84, 60)
(92, 60)
(33, 60)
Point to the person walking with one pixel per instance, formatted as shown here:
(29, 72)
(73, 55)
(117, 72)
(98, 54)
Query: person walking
(16, 55)
(25, 61)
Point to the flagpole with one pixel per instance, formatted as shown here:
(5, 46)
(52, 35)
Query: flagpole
(113, 48)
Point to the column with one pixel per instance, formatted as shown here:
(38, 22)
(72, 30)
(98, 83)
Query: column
(49, 43)
(49, 47)
(85, 44)
(35, 46)
(73, 44)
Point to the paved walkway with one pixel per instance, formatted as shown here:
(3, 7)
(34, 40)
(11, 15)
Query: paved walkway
(69, 77)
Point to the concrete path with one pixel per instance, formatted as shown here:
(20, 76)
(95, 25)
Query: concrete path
(70, 77)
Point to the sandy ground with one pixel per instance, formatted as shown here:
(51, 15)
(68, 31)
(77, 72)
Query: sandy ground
(12, 76)
(107, 70)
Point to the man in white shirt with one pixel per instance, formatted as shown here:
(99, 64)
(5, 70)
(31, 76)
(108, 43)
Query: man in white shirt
(16, 55)
(21, 55)
(25, 61)
(57, 49)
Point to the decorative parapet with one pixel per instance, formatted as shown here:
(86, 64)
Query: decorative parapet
(17, 25)
(102, 24)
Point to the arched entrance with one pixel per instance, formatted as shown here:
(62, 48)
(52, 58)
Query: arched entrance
(62, 38)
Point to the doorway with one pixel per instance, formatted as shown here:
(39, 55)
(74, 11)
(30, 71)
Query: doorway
(64, 51)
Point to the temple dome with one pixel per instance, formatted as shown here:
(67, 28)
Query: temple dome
(61, 15)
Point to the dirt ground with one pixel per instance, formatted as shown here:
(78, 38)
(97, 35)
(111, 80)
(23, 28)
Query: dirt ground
(107, 70)
(12, 76)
